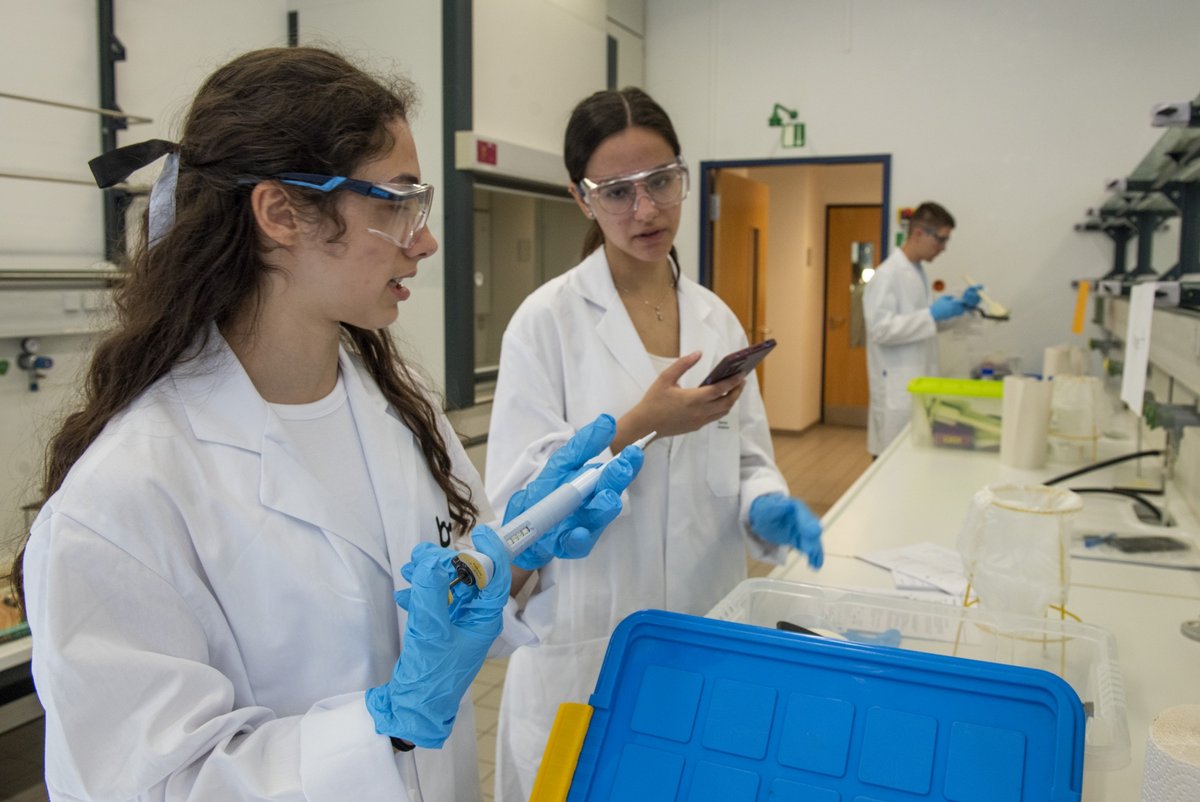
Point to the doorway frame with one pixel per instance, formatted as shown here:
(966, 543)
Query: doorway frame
(825, 300)
(704, 274)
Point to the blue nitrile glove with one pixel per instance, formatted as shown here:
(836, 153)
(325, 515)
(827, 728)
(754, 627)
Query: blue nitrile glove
(781, 519)
(970, 298)
(443, 649)
(578, 533)
(947, 307)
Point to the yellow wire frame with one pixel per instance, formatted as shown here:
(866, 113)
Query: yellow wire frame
(1045, 639)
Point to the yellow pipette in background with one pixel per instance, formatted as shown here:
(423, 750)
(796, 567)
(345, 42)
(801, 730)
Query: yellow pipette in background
(1080, 307)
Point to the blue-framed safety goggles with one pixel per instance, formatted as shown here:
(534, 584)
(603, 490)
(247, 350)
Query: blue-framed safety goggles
(399, 221)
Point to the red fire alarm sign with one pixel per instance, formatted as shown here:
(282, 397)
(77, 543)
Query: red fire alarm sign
(485, 152)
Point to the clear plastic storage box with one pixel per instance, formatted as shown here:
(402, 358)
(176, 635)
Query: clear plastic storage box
(957, 413)
(1083, 655)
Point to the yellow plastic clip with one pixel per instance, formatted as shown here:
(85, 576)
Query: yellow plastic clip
(562, 753)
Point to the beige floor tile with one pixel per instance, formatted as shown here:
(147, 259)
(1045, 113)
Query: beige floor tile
(479, 689)
(493, 672)
(487, 748)
(486, 718)
(491, 698)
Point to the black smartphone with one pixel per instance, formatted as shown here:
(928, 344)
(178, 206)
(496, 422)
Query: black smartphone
(739, 363)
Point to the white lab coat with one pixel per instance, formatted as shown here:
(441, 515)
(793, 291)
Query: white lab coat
(901, 344)
(570, 353)
(207, 618)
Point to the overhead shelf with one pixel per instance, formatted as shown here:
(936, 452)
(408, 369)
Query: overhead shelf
(1164, 184)
(1175, 158)
(65, 178)
(104, 276)
(1127, 203)
(115, 114)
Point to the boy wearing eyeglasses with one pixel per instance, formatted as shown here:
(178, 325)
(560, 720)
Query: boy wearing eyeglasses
(903, 319)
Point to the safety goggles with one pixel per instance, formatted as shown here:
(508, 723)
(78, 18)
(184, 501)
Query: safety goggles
(664, 186)
(398, 220)
(933, 232)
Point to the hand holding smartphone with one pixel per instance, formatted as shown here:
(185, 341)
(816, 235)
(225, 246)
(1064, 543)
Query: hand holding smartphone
(739, 363)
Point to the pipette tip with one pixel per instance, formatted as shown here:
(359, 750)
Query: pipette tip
(645, 441)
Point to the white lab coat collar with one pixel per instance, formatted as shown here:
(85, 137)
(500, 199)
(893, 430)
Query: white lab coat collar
(593, 281)
(915, 266)
(215, 383)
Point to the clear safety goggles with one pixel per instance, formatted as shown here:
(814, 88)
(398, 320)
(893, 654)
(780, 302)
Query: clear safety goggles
(664, 186)
(399, 219)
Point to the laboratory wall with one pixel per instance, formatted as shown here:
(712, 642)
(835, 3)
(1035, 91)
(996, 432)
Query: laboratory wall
(533, 60)
(1011, 114)
(49, 50)
(404, 37)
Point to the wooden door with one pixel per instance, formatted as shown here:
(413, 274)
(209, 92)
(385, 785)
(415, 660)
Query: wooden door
(739, 268)
(845, 397)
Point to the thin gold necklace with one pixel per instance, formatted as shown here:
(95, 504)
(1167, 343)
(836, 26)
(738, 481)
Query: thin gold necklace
(657, 307)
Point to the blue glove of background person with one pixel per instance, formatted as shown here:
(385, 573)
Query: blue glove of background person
(577, 534)
(947, 307)
(780, 519)
(443, 648)
(970, 298)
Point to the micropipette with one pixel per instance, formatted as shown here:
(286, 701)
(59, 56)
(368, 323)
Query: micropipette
(476, 568)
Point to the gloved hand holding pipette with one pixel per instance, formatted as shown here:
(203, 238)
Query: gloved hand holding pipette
(444, 648)
(947, 307)
(970, 296)
(975, 298)
(562, 512)
(559, 514)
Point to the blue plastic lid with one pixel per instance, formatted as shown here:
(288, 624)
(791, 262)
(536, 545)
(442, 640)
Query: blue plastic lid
(696, 709)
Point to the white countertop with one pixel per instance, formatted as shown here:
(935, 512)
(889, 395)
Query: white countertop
(912, 494)
(16, 652)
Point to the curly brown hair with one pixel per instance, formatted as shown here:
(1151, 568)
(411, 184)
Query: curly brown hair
(266, 112)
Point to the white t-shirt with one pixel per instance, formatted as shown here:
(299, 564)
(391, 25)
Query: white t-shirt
(661, 363)
(326, 441)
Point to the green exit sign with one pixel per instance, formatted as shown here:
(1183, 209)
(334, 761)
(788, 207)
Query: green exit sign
(792, 135)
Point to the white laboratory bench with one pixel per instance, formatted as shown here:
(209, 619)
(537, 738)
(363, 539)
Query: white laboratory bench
(913, 494)
(16, 652)
(14, 673)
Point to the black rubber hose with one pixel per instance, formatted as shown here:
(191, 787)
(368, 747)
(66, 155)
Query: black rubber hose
(1103, 464)
(1117, 491)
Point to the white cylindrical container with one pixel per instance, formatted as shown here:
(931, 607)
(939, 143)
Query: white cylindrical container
(1026, 416)
(1056, 360)
(1065, 360)
(1076, 411)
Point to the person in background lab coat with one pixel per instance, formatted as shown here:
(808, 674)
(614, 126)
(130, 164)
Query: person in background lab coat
(902, 323)
(625, 331)
(233, 506)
